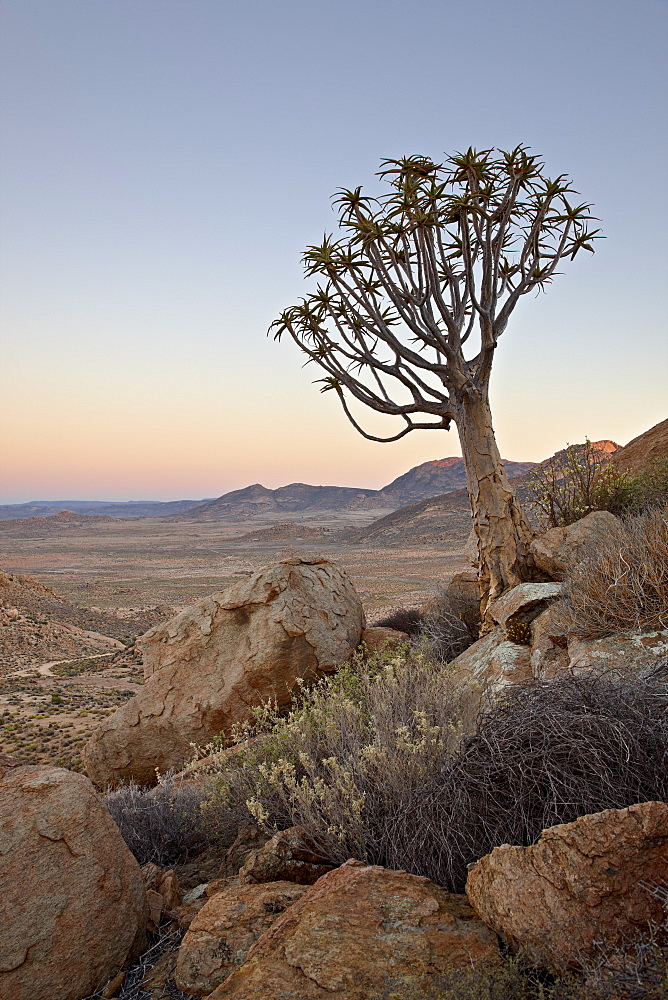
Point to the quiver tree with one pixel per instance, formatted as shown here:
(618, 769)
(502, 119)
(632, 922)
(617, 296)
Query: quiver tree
(413, 298)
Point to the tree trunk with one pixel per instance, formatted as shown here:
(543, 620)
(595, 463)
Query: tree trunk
(501, 527)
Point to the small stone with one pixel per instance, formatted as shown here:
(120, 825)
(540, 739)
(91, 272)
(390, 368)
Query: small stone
(289, 856)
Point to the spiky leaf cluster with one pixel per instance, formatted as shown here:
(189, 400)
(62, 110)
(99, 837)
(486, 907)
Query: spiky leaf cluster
(416, 290)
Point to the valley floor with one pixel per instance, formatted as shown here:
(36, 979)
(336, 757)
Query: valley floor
(66, 663)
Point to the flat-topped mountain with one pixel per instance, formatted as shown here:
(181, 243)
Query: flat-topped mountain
(108, 508)
(297, 497)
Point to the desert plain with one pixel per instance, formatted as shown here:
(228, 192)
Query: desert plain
(66, 641)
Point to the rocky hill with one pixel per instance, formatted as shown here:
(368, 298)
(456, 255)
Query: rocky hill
(437, 520)
(440, 476)
(644, 451)
(38, 604)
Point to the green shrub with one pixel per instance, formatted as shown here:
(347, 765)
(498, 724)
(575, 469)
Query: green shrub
(581, 479)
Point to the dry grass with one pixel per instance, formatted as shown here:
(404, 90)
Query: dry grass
(621, 585)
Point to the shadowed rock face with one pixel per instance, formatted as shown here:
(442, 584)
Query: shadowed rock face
(581, 882)
(363, 932)
(290, 855)
(73, 902)
(210, 666)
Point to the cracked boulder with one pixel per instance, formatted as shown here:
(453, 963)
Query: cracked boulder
(222, 933)
(208, 668)
(582, 882)
(363, 932)
(73, 902)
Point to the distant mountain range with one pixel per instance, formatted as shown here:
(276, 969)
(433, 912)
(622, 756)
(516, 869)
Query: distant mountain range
(426, 480)
(109, 508)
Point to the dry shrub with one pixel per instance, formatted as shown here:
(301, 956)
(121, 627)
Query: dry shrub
(450, 626)
(621, 585)
(544, 754)
(168, 824)
(408, 620)
(373, 764)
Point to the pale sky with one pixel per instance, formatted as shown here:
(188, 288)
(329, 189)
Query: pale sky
(167, 161)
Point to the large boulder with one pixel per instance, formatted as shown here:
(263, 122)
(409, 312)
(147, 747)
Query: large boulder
(582, 882)
(73, 902)
(363, 933)
(557, 549)
(208, 668)
(222, 933)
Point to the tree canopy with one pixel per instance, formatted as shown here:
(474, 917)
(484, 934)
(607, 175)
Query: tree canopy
(422, 281)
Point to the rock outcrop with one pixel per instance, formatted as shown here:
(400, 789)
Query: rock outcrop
(376, 638)
(211, 665)
(363, 933)
(582, 882)
(643, 452)
(222, 933)
(625, 655)
(490, 665)
(73, 902)
(556, 549)
(526, 599)
(289, 856)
